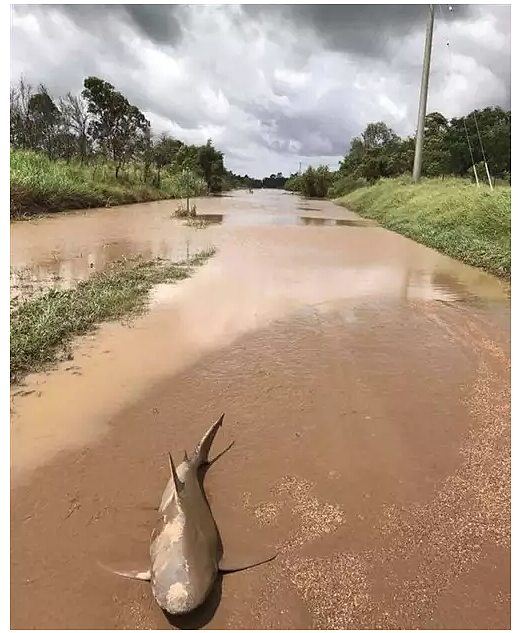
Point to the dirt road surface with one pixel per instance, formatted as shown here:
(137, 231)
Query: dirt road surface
(365, 381)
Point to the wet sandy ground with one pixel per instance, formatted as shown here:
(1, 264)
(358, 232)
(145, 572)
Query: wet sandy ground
(366, 383)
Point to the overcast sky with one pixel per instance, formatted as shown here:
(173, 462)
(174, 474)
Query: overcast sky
(272, 85)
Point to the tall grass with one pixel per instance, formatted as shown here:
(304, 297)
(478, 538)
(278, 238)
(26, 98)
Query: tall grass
(43, 326)
(452, 216)
(39, 184)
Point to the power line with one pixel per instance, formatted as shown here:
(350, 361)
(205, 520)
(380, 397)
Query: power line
(447, 43)
(465, 126)
(471, 154)
(483, 152)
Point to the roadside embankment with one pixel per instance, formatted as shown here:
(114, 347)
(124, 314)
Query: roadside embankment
(452, 216)
(41, 185)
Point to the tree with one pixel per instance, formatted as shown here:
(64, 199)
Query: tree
(379, 152)
(75, 116)
(315, 182)
(41, 124)
(436, 155)
(43, 118)
(274, 181)
(435, 123)
(102, 122)
(374, 154)
(187, 158)
(375, 166)
(117, 126)
(294, 183)
(323, 180)
(495, 130)
(164, 153)
(357, 149)
(401, 160)
(378, 135)
(211, 164)
(236, 181)
(20, 122)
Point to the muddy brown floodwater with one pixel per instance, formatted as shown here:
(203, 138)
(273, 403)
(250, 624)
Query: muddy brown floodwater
(365, 380)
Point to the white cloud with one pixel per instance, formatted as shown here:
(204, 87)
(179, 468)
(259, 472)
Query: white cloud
(270, 87)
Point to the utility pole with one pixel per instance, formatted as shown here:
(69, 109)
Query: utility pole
(417, 167)
(299, 167)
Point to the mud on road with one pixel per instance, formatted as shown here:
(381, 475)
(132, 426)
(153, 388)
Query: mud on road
(365, 381)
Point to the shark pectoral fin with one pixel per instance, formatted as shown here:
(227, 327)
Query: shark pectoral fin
(221, 453)
(136, 575)
(227, 566)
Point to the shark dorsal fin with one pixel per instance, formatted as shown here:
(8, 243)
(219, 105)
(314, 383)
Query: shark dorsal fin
(201, 453)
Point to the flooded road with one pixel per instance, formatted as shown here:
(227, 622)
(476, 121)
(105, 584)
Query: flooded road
(365, 380)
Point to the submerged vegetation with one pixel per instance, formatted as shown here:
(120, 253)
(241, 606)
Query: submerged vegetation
(450, 215)
(43, 327)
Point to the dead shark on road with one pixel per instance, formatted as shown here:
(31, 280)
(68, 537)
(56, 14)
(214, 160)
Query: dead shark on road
(185, 550)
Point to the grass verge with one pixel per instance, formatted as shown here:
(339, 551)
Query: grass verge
(40, 185)
(43, 327)
(452, 216)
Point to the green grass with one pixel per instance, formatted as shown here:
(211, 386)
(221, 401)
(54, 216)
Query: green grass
(43, 327)
(452, 216)
(39, 185)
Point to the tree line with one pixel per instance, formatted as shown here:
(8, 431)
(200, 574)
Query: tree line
(101, 124)
(451, 148)
(274, 181)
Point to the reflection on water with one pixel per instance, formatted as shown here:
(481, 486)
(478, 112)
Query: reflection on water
(252, 219)
(257, 242)
(272, 264)
(63, 272)
(211, 218)
(354, 222)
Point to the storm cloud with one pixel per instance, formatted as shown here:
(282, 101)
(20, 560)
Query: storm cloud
(272, 85)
